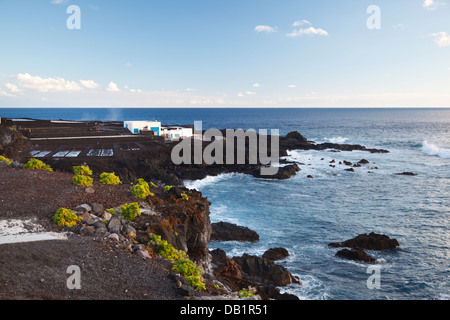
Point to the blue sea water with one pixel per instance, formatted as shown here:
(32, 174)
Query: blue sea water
(304, 215)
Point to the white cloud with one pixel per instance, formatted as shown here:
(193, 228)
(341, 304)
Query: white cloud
(292, 86)
(267, 29)
(128, 64)
(250, 93)
(58, 1)
(432, 4)
(90, 84)
(310, 31)
(13, 88)
(256, 85)
(442, 39)
(112, 87)
(240, 94)
(300, 23)
(46, 84)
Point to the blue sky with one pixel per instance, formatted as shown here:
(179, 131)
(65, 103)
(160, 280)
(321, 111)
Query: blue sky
(234, 53)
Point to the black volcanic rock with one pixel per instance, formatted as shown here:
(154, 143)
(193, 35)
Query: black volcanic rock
(372, 241)
(224, 231)
(356, 255)
(406, 174)
(283, 173)
(265, 271)
(276, 254)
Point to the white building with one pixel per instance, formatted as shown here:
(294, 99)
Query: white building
(176, 133)
(136, 127)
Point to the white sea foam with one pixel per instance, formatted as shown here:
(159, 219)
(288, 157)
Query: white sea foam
(336, 140)
(310, 289)
(200, 184)
(433, 150)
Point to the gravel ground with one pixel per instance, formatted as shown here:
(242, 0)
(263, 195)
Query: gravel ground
(38, 270)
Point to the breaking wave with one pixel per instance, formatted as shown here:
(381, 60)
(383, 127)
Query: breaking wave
(336, 140)
(433, 150)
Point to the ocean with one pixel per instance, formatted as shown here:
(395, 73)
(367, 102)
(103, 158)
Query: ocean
(304, 215)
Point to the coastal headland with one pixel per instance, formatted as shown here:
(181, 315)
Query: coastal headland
(120, 258)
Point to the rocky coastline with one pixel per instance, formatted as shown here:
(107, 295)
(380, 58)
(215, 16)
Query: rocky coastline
(183, 222)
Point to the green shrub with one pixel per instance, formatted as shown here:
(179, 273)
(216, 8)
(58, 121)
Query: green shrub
(244, 293)
(167, 188)
(153, 185)
(8, 161)
(110, 178)
(82, 171)
(84, 181)
(196, 283)
(111, 211)
(186, 267)
(130, 211)
(66, 217)
(165, 249)
(141, 189)
(35, 164)
(185, 196)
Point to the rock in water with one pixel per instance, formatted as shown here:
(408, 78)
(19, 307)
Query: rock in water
(372, 241)
(407, 174)
(224, 231)
(265, 271)
(356, 255)
(276, 254)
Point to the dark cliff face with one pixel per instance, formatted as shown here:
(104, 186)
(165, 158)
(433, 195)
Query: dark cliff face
(183, 223)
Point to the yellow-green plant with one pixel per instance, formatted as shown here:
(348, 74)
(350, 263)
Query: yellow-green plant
(35, 164)
(141, 189)
(84, 181)
(185, 196)
(110, 178)
(196, 283)
(8, 161)
(66, 217)
(82, 170)
(244, 293)
(186, 267)
(111, 211)
(130, 211)
(165, 249)
(167, 188)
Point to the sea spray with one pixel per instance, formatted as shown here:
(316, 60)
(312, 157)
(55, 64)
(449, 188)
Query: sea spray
(433, 150)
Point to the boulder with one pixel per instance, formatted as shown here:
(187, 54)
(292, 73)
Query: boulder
(143, 254)
(115, 221)
(84, 231)
(356, 255)
(84, 208)
(97, 209)
(114, 237)
(129, 231)
(350, 170)
(406, 174)
(224, 231)
(283, 173)
(265, 271)
(273, 292)
(89, 190)
(363, 161)
(370, 241)
(276, 254)
(223, 266)
(115, 229)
